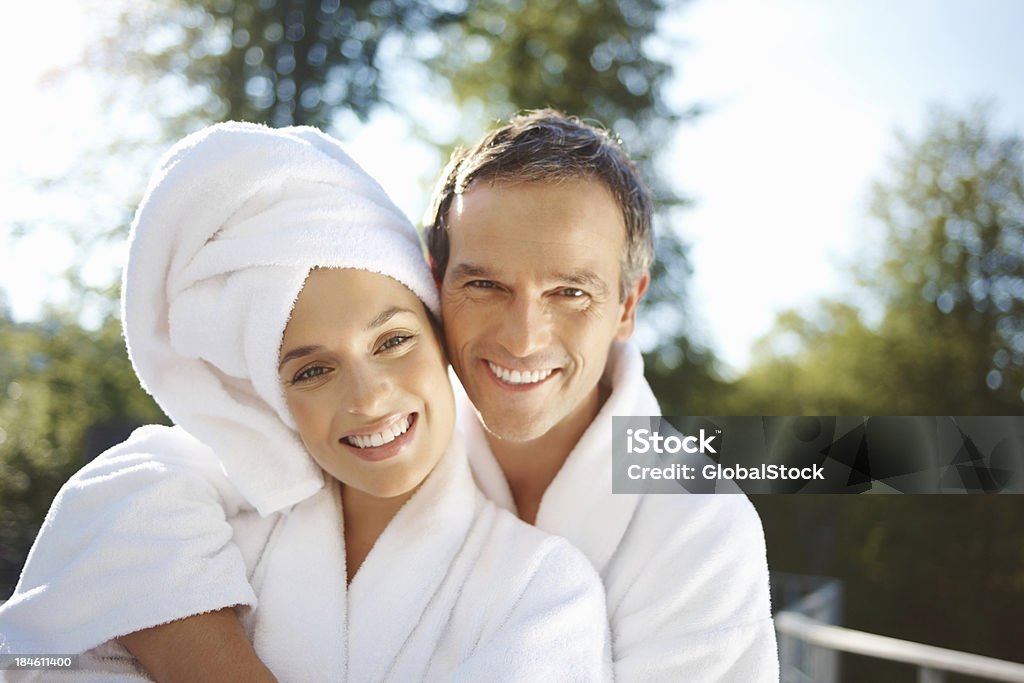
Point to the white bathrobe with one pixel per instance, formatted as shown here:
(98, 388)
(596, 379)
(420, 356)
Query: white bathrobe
(685, 575)
(454, 589)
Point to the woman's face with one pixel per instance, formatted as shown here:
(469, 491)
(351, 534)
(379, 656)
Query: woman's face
(366, 381)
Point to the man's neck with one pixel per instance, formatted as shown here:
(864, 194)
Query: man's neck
(531, 466)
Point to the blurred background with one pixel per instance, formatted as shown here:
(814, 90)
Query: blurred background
(840, 226)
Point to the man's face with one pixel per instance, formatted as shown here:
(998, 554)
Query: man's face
(531, 301)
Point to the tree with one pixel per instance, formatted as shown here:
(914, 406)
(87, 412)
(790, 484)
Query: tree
(954, 214)
(950, 283)
(66, 392)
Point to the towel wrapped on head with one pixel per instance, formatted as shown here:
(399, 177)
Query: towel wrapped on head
(232, 222)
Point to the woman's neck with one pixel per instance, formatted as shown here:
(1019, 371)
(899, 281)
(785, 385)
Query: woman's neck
(365, 518)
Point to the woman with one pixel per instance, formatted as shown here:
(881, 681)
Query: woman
(277, 306)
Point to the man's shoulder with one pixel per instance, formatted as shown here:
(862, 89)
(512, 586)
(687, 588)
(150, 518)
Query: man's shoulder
(720, 522)
(704, 532)
(693, 563)
(713, 511)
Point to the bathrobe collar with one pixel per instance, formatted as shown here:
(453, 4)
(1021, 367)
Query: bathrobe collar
(361, 624)
(581, 491)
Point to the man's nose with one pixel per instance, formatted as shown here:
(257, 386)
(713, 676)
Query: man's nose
(366, 391)
(525, 327)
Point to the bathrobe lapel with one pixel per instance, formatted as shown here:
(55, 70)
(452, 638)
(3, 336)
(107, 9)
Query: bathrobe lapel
(303, 575)
(411, 561)
(581, 493)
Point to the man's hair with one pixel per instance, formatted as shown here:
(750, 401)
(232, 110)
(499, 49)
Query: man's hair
(547, 146)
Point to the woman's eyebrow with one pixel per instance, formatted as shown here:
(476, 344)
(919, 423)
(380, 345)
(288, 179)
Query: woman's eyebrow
(386, 316)
(298, 352)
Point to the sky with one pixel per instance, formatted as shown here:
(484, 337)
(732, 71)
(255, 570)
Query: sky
(803, 99)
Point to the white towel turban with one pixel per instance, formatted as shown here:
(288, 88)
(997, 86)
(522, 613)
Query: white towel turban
(232, 222)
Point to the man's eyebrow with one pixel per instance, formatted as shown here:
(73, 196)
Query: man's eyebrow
(298, 352)
(386, 316)
(466, 270)
(584, 277)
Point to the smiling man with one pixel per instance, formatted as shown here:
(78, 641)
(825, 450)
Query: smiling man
(532, 302)
(541, 238)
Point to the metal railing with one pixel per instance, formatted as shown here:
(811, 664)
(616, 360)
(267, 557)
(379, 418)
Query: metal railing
(810, 641)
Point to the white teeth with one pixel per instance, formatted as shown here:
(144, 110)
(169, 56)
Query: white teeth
(387, 435)
(517, 377)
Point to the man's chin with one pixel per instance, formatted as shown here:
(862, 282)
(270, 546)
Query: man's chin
(515, 431)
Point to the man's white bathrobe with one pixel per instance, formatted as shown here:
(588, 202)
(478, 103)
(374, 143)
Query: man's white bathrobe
(685, 575)
(454, 589)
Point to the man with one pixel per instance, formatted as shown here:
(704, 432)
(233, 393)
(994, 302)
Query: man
(541, 241)
(541, 238)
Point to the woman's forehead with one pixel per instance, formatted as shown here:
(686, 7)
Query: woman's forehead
(352, 297)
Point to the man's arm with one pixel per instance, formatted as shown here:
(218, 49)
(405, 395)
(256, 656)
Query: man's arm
(136, 539)
(205, 647)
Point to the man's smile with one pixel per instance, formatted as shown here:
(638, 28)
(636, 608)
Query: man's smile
(519, 378)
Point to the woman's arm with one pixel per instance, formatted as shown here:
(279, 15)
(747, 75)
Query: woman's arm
(204, 647)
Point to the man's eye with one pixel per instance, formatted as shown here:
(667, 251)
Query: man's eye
(573, 292)
(307, 374)
(481, 284)
(394, 341)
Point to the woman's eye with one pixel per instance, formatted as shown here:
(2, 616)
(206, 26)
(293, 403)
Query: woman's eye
(309, 373)
(481, 284)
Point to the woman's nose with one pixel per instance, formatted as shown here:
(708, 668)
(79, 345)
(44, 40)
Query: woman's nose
(366, 391)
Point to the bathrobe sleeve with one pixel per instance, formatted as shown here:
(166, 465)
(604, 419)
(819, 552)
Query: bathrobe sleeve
(135, 539)
(695, 605)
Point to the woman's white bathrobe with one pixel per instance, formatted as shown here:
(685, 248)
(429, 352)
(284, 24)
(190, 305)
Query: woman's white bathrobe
(686, 576)
(454, 589)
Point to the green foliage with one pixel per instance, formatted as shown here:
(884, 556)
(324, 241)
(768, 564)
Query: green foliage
(950, 281)
(59, 384)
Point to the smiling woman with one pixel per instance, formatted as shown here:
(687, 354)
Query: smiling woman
(365, 380)
(278, 307)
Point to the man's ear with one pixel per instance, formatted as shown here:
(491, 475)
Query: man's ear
(433, 270)
(628, 320)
